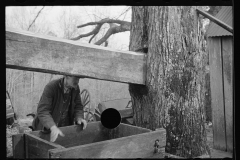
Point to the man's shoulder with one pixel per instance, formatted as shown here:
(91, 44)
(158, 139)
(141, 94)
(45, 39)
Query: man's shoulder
(54, 83)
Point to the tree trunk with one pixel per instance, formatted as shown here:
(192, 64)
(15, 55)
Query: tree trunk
(173, 96)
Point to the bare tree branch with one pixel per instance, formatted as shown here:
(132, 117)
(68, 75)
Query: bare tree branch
(112, 30)
(122, 27)
(92, 38)
(124, 12)
(95, 31)
(106, 44)
(105, 20)
(35, 18)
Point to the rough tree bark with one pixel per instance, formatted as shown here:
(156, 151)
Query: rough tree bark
(173, 96)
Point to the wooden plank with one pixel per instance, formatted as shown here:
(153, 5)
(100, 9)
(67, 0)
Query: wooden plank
(75, 135)
(136, 146)
(123, 130)
(214, 48)
(18, 145)
(30, 50)
(227, 43)
(129, 130)
(37, 147)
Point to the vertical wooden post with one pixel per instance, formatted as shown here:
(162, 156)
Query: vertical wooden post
(227, 81)
(219, 141)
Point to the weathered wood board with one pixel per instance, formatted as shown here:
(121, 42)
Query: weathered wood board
(124, 130)
(30, 50)
(18, 144)
(135, 146)
(38, 148)
(228, 90)
(75, 135)
(216, 80)
(95, 141)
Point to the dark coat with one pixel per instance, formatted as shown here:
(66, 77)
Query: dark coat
(51, 103)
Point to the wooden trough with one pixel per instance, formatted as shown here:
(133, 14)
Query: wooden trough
(95, 141)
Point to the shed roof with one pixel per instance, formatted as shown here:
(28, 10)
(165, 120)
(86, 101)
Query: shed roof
(225, 15)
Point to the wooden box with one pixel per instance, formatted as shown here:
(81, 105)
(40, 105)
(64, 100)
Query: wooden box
(125, 141)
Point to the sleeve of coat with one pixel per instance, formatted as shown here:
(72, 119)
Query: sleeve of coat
(45, 107)
(78, 109)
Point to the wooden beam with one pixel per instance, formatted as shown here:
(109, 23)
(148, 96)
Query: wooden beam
(217, 96)
(60, 56)
(215, 20)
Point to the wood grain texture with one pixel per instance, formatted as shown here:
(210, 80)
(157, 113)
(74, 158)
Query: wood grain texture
(136, 146)
(37, 147)
(33, 50)
(123, 130)
(214, 48)
(18, 146)
(228, 90)
(75, 135)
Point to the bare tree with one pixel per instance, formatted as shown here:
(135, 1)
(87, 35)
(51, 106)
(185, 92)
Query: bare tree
(68, 22)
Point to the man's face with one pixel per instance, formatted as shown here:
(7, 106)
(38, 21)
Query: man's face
(72, 82)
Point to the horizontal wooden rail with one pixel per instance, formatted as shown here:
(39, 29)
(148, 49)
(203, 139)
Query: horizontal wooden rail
(40, 53)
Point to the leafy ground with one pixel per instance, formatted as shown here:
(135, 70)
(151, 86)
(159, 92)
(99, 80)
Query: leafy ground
(23, 124)
(21, 127)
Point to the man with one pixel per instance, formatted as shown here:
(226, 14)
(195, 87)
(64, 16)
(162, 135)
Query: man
(60, 105)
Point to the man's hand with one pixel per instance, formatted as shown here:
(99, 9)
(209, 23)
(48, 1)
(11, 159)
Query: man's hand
(82, 121)
(55, 131)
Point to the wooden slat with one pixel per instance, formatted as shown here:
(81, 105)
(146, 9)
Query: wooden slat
(123, 130)
(37, 147)
(75, 135)
(18, 146)
(26, 49)
(214, 47)
(227, 70)
(136, 146)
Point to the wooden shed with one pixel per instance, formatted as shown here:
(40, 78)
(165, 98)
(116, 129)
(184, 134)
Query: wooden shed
(220, 48)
